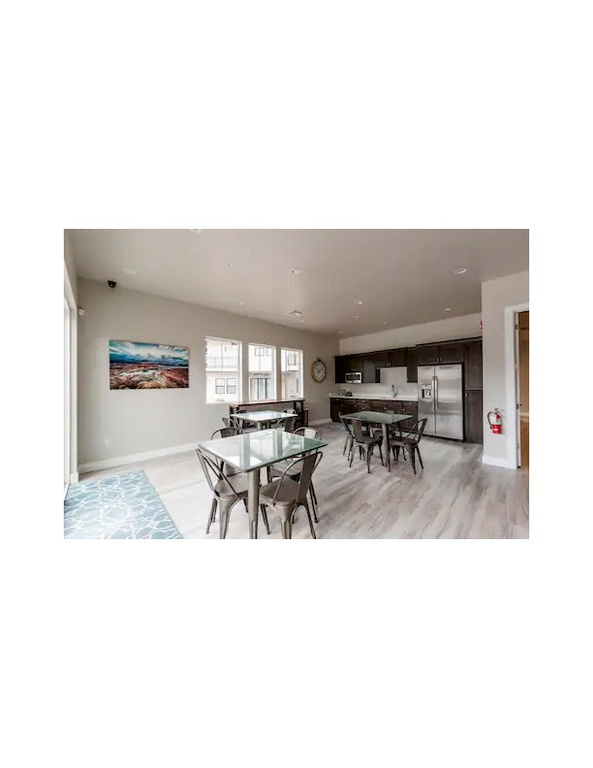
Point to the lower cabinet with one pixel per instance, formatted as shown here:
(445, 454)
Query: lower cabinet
(473, 416)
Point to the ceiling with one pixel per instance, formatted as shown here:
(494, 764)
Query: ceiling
(402, 277)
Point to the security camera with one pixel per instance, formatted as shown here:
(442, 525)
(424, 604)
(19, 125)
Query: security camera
(111, 283)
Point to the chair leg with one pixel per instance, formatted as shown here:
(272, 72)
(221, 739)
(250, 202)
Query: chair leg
(212, 516)
(223, 519)
(412, 458)
(264, 517)
(368, 457)
(287, 527)
(419, 456)
(313, 502)
(381, 455)
(306, 506)
(351, 455)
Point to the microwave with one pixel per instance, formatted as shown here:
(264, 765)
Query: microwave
(353, 378)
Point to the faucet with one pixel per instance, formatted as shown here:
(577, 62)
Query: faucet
(393, 390)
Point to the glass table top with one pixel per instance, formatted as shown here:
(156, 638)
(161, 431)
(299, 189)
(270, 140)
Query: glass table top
(262, 415)
(260, 449)
(377, 417)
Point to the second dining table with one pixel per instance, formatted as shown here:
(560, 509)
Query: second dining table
(262, 419)
(385, 420)
(252, 451)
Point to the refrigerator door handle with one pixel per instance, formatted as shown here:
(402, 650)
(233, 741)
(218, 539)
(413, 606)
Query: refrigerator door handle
(435, 389)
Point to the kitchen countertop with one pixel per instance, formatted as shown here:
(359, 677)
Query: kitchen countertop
(369, 396)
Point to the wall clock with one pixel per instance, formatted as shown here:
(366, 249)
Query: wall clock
(318, 370)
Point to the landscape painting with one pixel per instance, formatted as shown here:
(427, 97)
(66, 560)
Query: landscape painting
(137, 365)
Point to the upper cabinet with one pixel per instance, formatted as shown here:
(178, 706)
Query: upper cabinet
(432, 354)
(473, 364)
(412, 365)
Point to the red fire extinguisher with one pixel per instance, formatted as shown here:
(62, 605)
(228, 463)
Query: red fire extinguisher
(495, 421)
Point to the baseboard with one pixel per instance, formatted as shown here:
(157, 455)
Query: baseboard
(493, 461)
(317, 422)
(74, 477)
(133, 458)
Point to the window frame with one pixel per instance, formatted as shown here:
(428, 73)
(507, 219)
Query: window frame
(263, 350)
(300, 377)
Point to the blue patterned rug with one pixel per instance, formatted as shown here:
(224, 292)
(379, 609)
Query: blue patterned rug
(117, 507)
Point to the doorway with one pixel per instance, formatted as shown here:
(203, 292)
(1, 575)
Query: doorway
(522, 349)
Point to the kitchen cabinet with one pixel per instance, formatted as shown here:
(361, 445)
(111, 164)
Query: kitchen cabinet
(473, 364)
(412, 365)
(433, 354)
(397, 358)
(473, 416)
(348, 364)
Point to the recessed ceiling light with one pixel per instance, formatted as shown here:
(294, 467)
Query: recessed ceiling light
(241, 303)
(447, 309)
(460, 271)
(356, 317)
(384, 323)
(129, 271)
(340, 331)
(302, 321)
(359, 302)
(295, 270)
(197, 231)
(295, 313)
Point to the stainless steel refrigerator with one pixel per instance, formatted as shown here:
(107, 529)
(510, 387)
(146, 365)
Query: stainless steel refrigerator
(440, 399)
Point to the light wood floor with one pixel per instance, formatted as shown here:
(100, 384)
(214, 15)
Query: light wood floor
(454, 497)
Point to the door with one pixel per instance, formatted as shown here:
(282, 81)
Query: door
(448, 401)
(522, 329)
(426, 382)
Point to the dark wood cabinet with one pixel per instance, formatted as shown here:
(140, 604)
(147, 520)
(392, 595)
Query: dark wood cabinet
(433, 354)
(412, 365)
(451, 353)
(473, 364)
(397, 358)
(427, 355)
(473, 416)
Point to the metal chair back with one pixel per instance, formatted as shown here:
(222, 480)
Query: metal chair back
(212, 470)
(308, 465)
(309, 432)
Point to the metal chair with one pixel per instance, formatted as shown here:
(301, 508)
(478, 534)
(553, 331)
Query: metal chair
(285, 495)
(349, 441)
(365, 444)
(410, 441)
(277, 470)
(226, 493)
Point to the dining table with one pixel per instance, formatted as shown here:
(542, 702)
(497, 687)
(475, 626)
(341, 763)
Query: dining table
(385, 420)
(262, 419)
(252, 451)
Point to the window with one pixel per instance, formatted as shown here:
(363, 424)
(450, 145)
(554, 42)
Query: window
(291, 372)
(262, 372)
(223, 370)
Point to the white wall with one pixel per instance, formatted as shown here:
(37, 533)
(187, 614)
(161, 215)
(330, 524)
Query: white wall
(118, 423)
(466, 326)
(497, 295)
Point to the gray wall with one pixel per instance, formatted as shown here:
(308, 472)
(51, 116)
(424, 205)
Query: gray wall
(499, 362)
(119, 423)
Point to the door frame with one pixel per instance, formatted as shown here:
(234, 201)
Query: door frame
(511, 364)
(70, 353)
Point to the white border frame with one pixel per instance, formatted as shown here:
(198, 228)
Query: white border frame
(510, 415)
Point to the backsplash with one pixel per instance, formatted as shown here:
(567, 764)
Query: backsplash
(396, 376)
